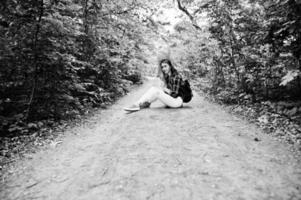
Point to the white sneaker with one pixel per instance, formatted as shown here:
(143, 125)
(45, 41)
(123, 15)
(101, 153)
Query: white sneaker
(132, 108)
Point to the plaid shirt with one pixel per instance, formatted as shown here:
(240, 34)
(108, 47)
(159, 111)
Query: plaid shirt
(173, 83)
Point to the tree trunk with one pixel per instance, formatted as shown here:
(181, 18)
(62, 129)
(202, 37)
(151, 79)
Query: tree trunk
(85, 15)
(35, 61)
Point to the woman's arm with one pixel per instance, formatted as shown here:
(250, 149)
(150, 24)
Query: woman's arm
(164, 86)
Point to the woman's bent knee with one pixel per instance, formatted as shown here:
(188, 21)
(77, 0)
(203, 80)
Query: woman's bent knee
(155, 90)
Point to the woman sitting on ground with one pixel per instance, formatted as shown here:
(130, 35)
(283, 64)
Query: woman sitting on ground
(170, 95)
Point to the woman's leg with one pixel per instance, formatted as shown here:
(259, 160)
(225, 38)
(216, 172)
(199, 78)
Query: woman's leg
(154, 94)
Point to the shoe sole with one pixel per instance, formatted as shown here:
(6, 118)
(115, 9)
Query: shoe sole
(131, 109)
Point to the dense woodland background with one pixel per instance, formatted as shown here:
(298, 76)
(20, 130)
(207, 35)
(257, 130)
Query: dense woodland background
(58, 58)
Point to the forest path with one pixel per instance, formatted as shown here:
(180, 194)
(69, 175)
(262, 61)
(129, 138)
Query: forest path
(196, 152)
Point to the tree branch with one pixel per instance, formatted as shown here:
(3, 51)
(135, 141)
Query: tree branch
(204, 6)
(120, 12)
(183, 9)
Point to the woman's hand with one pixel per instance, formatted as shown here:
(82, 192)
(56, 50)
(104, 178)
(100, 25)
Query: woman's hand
(166, 90)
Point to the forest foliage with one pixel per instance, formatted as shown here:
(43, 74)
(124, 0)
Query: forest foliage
(258, 46)
(60, 57)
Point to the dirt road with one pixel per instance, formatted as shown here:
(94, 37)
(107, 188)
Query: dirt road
(197, 152)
